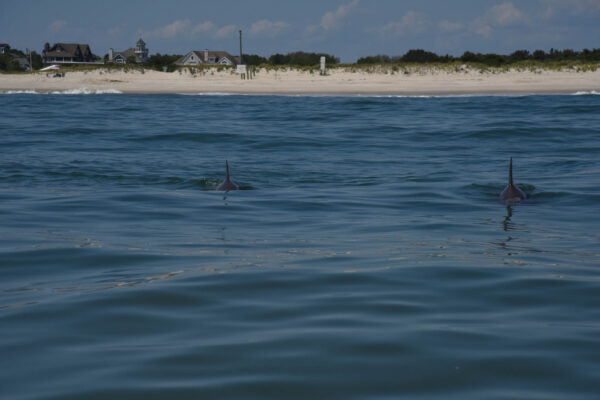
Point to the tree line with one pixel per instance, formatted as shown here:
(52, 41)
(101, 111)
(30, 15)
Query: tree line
(14, 59)
(490, 59)
(10, 60)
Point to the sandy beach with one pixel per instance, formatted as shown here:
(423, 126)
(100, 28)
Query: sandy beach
(338, 81)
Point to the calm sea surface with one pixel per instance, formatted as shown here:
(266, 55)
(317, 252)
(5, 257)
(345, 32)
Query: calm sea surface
(367, 258)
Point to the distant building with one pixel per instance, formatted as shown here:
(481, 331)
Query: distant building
(4, 48)
(139, 53)
(206, 57)
(67, 53)
(23, 63)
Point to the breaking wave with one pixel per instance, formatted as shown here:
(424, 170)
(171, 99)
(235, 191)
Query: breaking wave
(83, 90)
(586, 93)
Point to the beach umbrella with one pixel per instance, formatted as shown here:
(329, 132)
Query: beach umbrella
(51, 68)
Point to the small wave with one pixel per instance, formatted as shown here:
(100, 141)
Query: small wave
(30, 91)
(211, 94)
(586, 93)
(82, 90)
(85, 90)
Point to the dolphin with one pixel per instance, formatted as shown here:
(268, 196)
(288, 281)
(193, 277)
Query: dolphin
(512, 192)
(227, 185)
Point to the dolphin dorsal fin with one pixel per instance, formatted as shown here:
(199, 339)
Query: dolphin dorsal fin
(510, 178)
(226, 170)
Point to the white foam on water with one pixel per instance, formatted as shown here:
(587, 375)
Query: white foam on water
(85, 90)
(211, 94)
(586, 93)
(30, 91)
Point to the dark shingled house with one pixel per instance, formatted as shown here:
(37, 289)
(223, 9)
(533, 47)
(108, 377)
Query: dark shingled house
(67, 53)
(4, 48)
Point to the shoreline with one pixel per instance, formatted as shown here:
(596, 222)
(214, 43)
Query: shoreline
(292, 82)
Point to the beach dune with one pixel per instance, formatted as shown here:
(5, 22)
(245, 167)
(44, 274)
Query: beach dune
(420, 81)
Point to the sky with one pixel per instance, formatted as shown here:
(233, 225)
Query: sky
(348, 29)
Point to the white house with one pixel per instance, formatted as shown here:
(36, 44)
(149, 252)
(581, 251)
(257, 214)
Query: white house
(139, 53)
(207, 57)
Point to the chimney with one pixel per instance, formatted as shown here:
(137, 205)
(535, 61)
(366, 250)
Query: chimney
(110, 54)
(206, 55)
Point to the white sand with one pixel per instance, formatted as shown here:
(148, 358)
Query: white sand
(338, 81)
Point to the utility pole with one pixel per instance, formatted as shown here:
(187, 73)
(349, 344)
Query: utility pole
(241, 57)
(30, 61)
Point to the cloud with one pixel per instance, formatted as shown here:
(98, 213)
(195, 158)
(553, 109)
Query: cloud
(225, 31)
(57, 26)
(174, 29)
(333, 20)
(184, 28)
(500, 15)
(553, 7)
(204, 27)
(448, 26)
(411, 23)
(267, 28)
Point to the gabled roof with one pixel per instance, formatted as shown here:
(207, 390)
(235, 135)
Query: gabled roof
(127, 53)
(68, 50)
(218, 55)
(4, 45)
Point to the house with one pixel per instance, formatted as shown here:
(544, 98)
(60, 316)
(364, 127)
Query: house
(139, 53)
(23, 63)
(4, 48)
(206, 57)
(67, 53)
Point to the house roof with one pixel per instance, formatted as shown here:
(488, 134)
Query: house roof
(4, 45)
(140, 42)
(69, 50)
(211, 54)
(127, 53)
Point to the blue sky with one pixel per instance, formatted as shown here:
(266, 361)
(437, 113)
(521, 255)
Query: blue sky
(348, 29)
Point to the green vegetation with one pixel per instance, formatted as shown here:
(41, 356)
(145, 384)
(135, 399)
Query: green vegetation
(253, 59)
(9, 64)
(489, 59)
(9, 61)
(416, 61)
(302, 59)
(158, 61)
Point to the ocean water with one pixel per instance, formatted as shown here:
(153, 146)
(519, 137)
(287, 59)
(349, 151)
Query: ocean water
(368, 256)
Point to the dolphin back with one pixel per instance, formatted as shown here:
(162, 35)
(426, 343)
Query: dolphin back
(511, 191)
(227, 185)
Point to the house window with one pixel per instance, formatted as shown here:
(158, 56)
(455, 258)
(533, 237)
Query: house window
(211, 59)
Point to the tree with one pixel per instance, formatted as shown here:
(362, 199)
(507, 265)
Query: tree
(420, 56)
(131, 60)
(36, 60)
(253, 59)
(8, 63)
(539, 55)
(158, 61)
(520, 55)
(378, 59)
